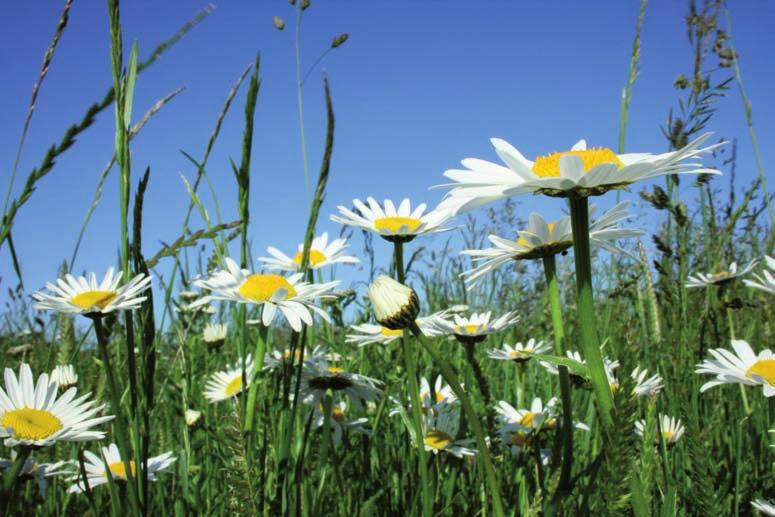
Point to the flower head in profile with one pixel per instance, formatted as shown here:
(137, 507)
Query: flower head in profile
(581, 381)
(579, 172)
(321, 254)
(32, 470)
(80, 295)
(765, 281)
(395, 305)
(368, 333)
(440, 433)
(740, 367)
(535, 419)
(32, 414)
(393, 224)
(477, 327)
(214, 335)
(671, 428)
(64, 375)
(279, 358)
(227, 384)
(339, 420)
(319, 376)
(291, 296)
(721, 277)
(97, 474)
(520, 352)
(646, 386)
(542, 239)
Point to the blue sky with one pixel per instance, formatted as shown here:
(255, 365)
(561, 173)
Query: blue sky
(418, 87)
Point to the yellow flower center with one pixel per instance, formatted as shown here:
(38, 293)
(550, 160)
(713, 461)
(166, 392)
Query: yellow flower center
(335, 370)
(31, 424)
(467, 329)
(439, 396)
(315, 257)
(91, 298)
(765, 369)
(390, 332)
(261, 288)
(394, 224)
(522, 242)
(549, 166)
(296, 355)
(118, 469)
(337, 414)
(234, 387)
(437, 440)
(527, 419)
(667, 435)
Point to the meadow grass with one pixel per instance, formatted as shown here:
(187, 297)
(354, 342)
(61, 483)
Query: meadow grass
(280, 442)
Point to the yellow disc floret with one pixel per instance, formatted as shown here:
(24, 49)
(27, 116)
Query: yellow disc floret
(31, 424)
(90, 299)
(261, 288)
(390, 332)
(118, 469)
(549, 166)
(437, 440)
(234, 387)
(395, 224)
(315, 257)
(764, 369)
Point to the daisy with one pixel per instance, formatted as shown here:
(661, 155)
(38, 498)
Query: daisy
(64, 375)
(31, 413)
(672, 429)
(740, 367)
(646, 386)
(38, 471)
(97, 474)
(765, 506)
(477, 327)
(91, 298)
(520, 352)
(321, 254)
(535, 419)
(227, 384)
(288, 294)
(542, 239)
(721, 277)
(317, 377)
(579, 172)
(214, 335)
(278, 358)
(579, 380)
(441, 396)
(368, 333)
(395, 305)
(765, 282)
(440, 431)
(394, 225)
(339, 420)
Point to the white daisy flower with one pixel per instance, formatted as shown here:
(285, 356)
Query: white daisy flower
(97, 474)
(441, 396)
(395, 305)
(477, 327)
(274, 292)
(214, 334)
(321, 254)
(672, 429)
(765, 506)
(395, 225)
(535, 419)
(317, 377)
(339, 421)
(580, 381)
(81, 296)
(543, 239)
(740, 367)
(278, 358)
(193, 417)
(227, 384)
(64, 375)
(646, 386)
(368, 333)
(721, 277)
(765, 281)
(440, 431)
(31, 413)
(579, 172)
(520, 352)
(38, 471)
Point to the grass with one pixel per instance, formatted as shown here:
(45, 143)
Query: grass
(267, 452)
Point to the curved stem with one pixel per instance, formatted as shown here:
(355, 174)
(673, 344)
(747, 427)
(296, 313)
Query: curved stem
(579, 211)
(550, 271)
(449, 375)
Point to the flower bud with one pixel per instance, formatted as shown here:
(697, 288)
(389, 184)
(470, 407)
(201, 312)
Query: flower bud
(395, 305)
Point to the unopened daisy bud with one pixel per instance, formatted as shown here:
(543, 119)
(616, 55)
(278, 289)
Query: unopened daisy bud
(395, 305)
(278, 22)
(339, 40)
(193, 417)
(304, 5)
(215, 335)
(189, 295)
(64, 375)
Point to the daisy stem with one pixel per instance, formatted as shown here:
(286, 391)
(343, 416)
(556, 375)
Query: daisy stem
(328, 403)
(449, 375)
(12, 473)
(550, 271)
(258, 358)
(579, 211)
(414, 394)
(484, 387)
(119, 425)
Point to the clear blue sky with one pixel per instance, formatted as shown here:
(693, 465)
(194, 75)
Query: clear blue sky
(419, 86)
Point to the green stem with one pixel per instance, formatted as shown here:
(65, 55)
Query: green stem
(452, 379)
(484, 387)
(13, 472)
(579, 211)
(258, 362)
(414, 394)
(550, 271)
(300, 103)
